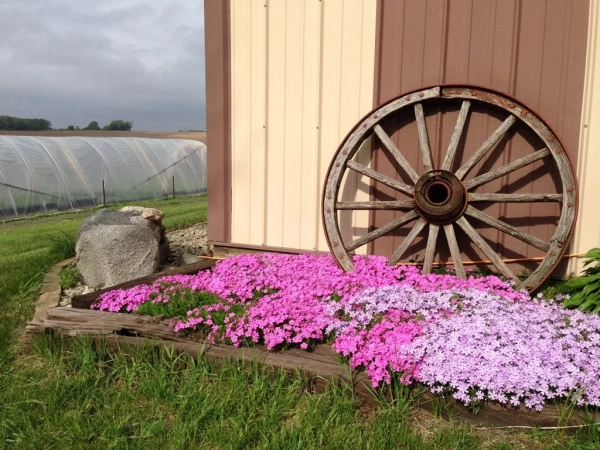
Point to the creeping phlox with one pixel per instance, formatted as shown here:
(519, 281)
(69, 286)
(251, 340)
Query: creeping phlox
(478, 338)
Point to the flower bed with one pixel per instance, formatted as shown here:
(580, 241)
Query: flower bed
(478, 339)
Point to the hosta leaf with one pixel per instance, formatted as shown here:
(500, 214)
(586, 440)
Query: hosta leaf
(593, 253)
(587, 290)
(589, 304)
(575, 300)
(579, 282)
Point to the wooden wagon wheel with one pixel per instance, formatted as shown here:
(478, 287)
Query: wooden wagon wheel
(445, 196)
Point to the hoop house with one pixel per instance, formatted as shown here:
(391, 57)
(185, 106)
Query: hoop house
(42, 174)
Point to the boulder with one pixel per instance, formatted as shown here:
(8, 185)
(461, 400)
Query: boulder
(114, 247)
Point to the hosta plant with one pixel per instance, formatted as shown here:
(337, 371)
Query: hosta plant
(586, 288)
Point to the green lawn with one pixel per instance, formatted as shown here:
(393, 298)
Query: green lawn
(74, 395)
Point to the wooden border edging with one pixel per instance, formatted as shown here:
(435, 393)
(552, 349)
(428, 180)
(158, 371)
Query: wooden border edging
(321, 365)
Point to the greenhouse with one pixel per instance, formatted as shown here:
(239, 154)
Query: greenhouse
(46, 174)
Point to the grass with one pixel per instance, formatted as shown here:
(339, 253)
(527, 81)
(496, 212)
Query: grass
(77, 394)
(31, 246)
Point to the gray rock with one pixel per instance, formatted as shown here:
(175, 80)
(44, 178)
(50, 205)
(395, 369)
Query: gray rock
(113, 247)
(187, 258)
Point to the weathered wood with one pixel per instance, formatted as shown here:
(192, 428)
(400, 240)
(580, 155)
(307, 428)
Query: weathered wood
(414, 232)
(514, 198)
(85, 301)
(488, 145)
(512, 110)
(506, 169)
(399, 157)
(387, 228)
(395, 184)
(430, 249)
(456, 135)
(424, 147)
(397, 204)
(338, 166)
(509, 229)
(454, 251)
(50, 293)
(485, 248)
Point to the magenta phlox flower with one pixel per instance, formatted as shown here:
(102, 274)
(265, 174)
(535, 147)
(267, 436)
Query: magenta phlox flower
(478, 338)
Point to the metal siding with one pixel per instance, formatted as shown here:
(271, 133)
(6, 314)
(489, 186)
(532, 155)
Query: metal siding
(218, 120)
(587, 233)
(308, 78)
(347, 92)
(530, 49)
(248, 24)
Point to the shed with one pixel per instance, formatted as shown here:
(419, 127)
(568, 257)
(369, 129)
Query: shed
(288, 81)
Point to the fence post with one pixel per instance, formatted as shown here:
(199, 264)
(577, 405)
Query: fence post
(173, 185)
(103, 195)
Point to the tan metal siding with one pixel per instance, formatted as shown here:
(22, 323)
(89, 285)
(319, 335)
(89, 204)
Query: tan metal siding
(533, 50)
(248, 53)
(587, 233)
(304, 72)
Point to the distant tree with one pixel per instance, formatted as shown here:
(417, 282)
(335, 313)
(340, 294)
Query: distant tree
(93, 125)
(16, 123)
(119, 125)
(70, 128)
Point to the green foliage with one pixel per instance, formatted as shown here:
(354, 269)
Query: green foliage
(17, 123)
(180, 302)
(118, 125)
(68, 277)
(586, 288)
(93, 125)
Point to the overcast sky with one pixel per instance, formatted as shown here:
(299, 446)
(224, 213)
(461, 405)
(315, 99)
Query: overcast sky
(74, 61)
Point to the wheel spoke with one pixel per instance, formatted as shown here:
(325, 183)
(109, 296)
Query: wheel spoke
(511, 167)
(414, 232)
(515, 198)
(430, 250)
(399, 157)
(489, 144)
(395, 184)
(423, 138)
(485, 248)
(458, 130)
(509, 229)
(391, 226)
(454, 251)
(394, 205)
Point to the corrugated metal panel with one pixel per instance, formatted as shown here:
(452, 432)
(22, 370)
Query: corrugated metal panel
(587, 232)
(533, 50)
(248, 53)
(307, 76)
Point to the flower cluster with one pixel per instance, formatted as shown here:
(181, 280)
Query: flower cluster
(478, 337)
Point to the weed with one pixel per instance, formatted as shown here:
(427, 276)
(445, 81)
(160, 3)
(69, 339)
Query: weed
(68, 277)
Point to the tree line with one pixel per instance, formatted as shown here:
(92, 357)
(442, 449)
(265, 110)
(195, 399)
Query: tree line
(19, 124)
(120, 125)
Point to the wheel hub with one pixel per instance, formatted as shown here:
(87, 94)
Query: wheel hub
(440, 197)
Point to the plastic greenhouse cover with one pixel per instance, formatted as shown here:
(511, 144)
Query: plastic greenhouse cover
(45, 174)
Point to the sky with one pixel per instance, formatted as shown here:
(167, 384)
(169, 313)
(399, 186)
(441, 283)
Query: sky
(75, 61)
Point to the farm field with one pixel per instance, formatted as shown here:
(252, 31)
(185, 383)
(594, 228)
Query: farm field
(193, 135)
(76, 395)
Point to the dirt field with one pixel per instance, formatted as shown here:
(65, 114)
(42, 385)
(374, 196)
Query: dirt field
(196, 136)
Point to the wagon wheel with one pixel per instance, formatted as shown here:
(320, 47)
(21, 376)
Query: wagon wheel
(445, 197)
